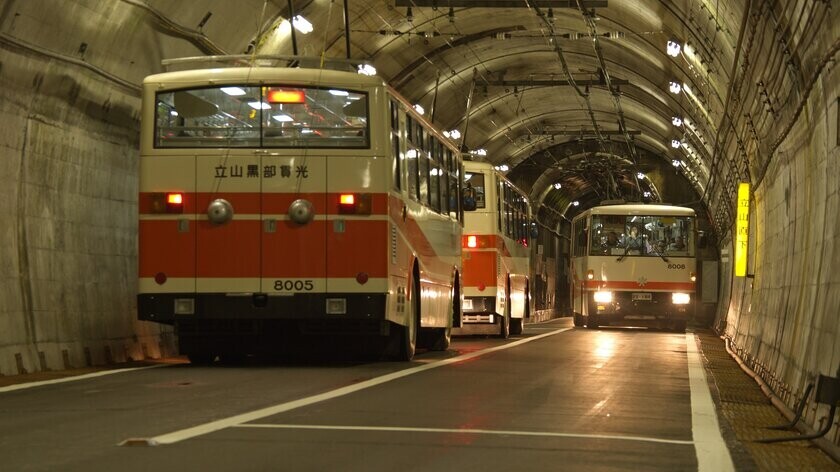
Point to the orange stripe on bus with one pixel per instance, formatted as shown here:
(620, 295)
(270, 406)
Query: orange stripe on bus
(479, 268)
(362, 247)
(633, 285)
(230, 250)
(163, 249)
(255, 203)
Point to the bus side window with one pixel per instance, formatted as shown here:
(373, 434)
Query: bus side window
(395, 144)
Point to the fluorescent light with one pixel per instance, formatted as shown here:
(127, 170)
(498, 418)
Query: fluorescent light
(411, 154)
(302, 24)
(676, 121)
(173, 112)
(454, 134)
(259, 105)
(575, 203)
(504, 168)
(480, 152)
(676, 143)
(233, 91)
(339, 93)
(640, 175)
(674, 87)
(558, 186)
(419, 109)
(283, 118)
(367, 69)
(673, 48)
(646, 194)
(675, 163)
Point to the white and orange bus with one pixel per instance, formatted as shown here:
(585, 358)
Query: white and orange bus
(496, 253)
(280, 202)
(634, 265)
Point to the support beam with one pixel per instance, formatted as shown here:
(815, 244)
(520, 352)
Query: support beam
(501, 3)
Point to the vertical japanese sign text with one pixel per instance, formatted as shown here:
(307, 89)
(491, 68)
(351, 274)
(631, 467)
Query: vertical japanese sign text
(742, 227)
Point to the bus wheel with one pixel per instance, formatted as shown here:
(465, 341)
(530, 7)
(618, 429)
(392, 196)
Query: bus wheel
(402, 340)
(439, 338)
(516, 326)
(578, 319)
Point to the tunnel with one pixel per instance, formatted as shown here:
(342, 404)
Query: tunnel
(576, 102)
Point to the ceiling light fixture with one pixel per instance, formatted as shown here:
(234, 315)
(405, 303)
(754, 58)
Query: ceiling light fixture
(673, 48)
(674, 87)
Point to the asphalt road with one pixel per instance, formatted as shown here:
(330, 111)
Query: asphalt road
(555, 398)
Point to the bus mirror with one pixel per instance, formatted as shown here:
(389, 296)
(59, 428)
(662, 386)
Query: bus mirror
(702, 241)
(535, 232)
(468, 203)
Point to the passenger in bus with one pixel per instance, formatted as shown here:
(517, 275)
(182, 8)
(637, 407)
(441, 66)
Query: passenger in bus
(469, 198)
(677, 245)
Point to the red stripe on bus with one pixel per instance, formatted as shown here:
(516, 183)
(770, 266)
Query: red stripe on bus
(255, 203)
(634, 285)
(230, 250)
(362, 247)
(163, 249)
(479, 268)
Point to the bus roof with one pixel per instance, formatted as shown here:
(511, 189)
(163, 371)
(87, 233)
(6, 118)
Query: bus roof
(256, 75)
(640, 209)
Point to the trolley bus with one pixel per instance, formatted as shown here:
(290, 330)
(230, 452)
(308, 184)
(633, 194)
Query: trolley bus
(496, 253)
(633, 264)
(277, 203)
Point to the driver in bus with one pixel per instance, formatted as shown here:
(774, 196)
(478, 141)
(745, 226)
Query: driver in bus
(634, 240)
(677, 245)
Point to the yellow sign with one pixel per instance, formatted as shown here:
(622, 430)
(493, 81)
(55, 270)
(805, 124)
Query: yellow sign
(742, 227)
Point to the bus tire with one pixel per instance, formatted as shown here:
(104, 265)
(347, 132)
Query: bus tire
(402, 340)
(578, 319)
(516, 326)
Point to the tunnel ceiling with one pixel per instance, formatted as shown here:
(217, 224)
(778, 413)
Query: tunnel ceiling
(574, 93)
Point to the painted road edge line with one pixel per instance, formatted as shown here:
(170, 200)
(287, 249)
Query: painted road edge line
(711, 450)
(549, 434)
(11, 388)
(217, 425)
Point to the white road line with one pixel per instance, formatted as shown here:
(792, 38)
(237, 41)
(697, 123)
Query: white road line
(212, 426)
(712, 453)
(547, 434)
(11, 388)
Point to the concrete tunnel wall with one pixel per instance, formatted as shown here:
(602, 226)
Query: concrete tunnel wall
(786, 320)
(68, 173)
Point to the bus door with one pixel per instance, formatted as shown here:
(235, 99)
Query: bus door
(294, 225)
(227, 223)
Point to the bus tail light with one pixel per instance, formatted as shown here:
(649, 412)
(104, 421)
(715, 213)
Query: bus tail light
(170, 202)
(602, 297)
(693, 277)
(354, 203)
(590, 274)
(475, 241)
(679, 298)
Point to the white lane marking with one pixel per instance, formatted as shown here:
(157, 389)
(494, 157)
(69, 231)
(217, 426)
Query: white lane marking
(548, 434)
(212, 426)
(103, 373)
(712, 453)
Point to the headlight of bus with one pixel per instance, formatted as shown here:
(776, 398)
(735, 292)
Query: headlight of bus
(680, 298)
(603, 297)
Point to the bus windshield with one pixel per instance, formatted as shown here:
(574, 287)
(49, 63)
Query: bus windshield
(634, 235)
(262, 116)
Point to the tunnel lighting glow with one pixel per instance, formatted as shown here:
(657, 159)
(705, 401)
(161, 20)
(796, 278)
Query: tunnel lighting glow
(676, 121)
(259, 105)
(504, 168)
(575, 203)
(339, 93)
(646, 194)
(674, 87)
(283, 118)
(419, 109)
(479, 152)
(558, 186)
(454, 134)
(673, 48)
(367, 69)
(233, 91)
(640, 175)
(675, 163)
(173, 113)
(679, 298)
(676, 143)
(302, 24)
(434, 172)
(411, 154)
